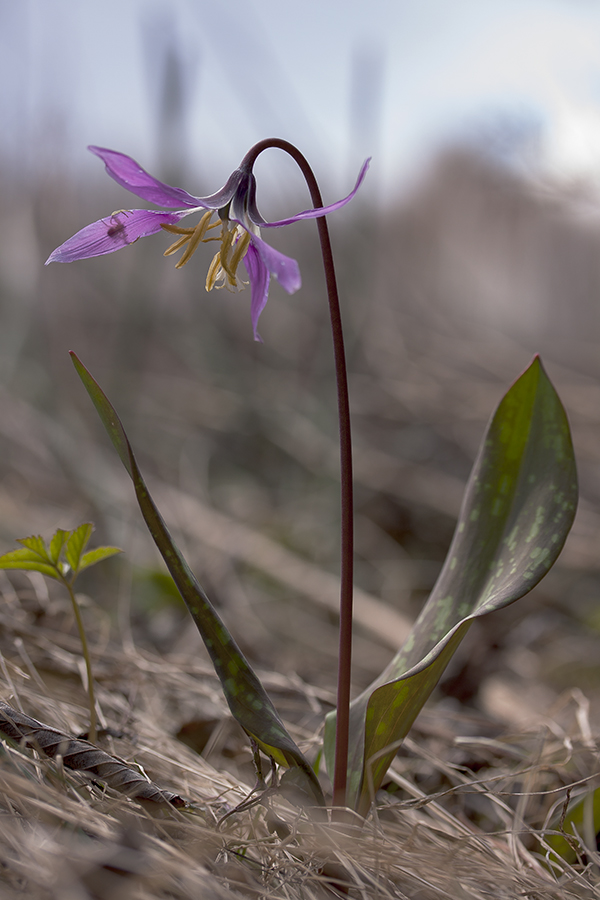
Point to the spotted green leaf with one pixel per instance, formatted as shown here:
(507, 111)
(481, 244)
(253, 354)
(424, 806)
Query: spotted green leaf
(245, 695)
(517, 511)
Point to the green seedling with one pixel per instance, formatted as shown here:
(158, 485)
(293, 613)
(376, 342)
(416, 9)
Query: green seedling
(63, 559)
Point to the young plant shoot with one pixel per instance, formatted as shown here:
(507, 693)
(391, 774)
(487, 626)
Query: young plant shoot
(63, 559)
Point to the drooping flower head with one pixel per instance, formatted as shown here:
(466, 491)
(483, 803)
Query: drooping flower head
(237, 228)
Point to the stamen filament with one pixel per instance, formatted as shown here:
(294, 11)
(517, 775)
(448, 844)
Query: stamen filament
(213, 271)
(225, 249)
(239, 252)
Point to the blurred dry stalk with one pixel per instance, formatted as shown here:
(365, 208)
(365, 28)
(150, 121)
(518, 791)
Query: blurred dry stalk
(445, 297)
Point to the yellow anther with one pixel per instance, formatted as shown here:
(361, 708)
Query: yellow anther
(223, 268)
(239, 252)
(195, 238)
(191, 236)
(213, 271)
(176, 229)
(227, 239)
(177, 244)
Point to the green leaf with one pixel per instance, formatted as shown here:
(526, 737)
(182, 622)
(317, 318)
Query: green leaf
(245, 695)
(37, 545)
(57, 543)
(95, 556)
(25, 558)
(518, 508)
(76, 544)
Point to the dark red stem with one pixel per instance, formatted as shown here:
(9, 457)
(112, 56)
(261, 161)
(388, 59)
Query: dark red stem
(347, 503)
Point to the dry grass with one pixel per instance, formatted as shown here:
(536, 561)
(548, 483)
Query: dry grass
(62, 835)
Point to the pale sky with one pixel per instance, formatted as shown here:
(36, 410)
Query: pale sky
(340, 78)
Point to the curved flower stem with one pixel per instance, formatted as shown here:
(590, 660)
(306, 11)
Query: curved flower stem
(88, 662)
(347, 510)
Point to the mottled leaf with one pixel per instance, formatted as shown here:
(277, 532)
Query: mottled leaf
(517, 511)
(245, 695)
(82, 756)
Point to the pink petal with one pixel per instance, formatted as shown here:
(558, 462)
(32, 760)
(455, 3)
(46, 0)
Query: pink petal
(283, 268)
(261, 262)
(113, 233)
(130, 175)
(259, 286)
(323, 210)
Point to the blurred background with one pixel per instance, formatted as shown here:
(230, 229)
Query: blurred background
(474, 243)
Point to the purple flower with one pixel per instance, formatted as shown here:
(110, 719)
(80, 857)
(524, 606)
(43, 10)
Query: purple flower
(238, 228)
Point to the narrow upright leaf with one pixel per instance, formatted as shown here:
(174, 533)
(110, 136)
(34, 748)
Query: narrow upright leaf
(518, 508)
(245, 695)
